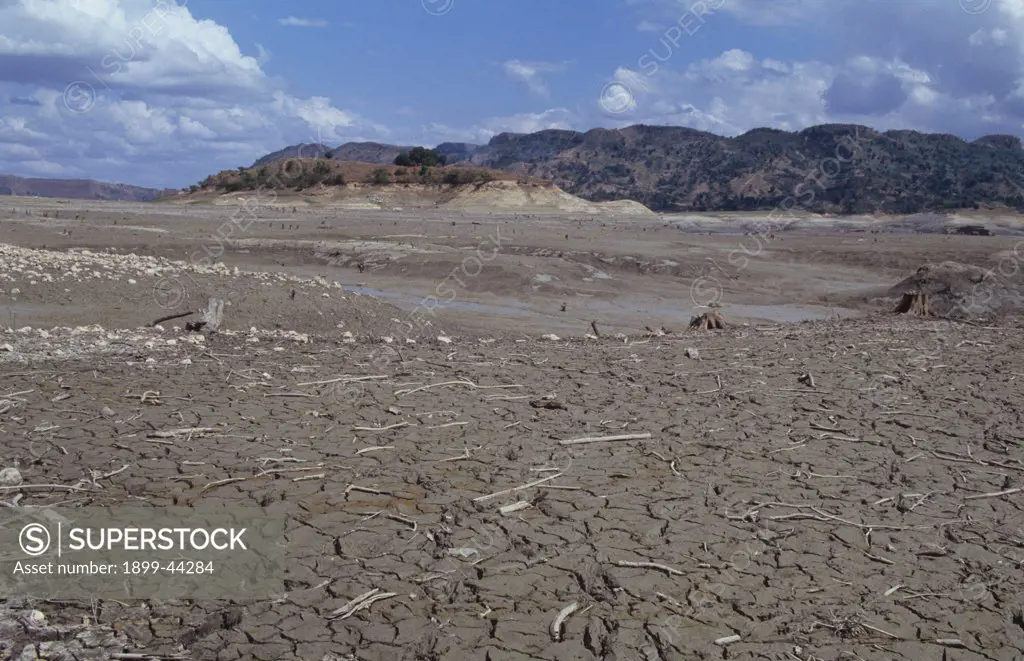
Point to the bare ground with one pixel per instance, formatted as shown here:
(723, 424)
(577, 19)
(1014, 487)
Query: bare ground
(822, 490)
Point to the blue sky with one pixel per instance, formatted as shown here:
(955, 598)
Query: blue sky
(164, 92)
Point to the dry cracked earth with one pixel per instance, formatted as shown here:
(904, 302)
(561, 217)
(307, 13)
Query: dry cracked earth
(826, 490)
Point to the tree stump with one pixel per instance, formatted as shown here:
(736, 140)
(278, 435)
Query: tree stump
(915, 303)
(708, 321)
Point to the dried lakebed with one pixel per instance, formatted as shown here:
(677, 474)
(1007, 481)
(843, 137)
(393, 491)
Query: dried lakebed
(722, 506)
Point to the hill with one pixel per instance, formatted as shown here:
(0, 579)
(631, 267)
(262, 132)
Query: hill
(321, 181)
(78, 189)
(300, 173)
(680, 169)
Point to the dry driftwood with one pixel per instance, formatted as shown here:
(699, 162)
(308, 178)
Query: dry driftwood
(708, 321)
(915, 303)
(213, 316)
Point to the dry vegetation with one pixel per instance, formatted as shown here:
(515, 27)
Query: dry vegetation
(308, 173)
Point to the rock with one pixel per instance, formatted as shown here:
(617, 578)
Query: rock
(551, 337)
(10, 477)
(692, 353)
(107, 412)
(6, 347)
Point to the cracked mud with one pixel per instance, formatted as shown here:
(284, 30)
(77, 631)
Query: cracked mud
(844, 518)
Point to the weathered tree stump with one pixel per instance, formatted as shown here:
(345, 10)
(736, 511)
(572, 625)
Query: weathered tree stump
(708, 321)
(213, 316)
(915, 303)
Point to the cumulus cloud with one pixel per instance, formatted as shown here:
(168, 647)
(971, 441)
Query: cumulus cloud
(482, 132)
(117, 89)
(927, 64)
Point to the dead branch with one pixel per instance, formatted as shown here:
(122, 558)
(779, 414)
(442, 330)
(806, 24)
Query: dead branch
(171, 317)
(528, 485)
(601, 439)
(651, 565)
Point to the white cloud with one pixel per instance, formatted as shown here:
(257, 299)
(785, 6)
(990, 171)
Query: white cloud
(926, 64)
(293, 21)
(116, 89)
(529, 73)
(482, 132)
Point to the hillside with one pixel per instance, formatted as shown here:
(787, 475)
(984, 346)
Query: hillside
(78, 189)
(681, 169)
(310, 181)
(365, 152)
(299, 174)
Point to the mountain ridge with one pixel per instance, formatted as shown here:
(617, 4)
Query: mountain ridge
(81, 189)
(680, 169)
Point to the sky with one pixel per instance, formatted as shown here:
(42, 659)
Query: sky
(162, 93)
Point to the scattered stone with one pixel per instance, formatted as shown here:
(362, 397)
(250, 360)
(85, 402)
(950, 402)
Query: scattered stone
(692, 353)
(10, 477)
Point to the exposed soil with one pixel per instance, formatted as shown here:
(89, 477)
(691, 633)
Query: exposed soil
(845, 488)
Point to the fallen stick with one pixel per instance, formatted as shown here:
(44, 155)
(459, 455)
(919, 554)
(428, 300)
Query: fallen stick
(361, 602)
(374, 448)
(394, 426)
(403, 519)
(995, 494)
(15, 394)
(950, 642)
(515, 507)
(276, 471)
(356, 487)
(170, 317)
(346, 379)
(59, 487)
(303, 478)
(600, 439)
(281, 460)
(178, 432)
(650, 565)
(556, 624)
(460, 382)
(220, 483)
(528, 485)
(464, 455)
(289, 394)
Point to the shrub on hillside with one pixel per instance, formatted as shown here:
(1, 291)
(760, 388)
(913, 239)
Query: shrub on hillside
(420, 156)
(380, 176)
